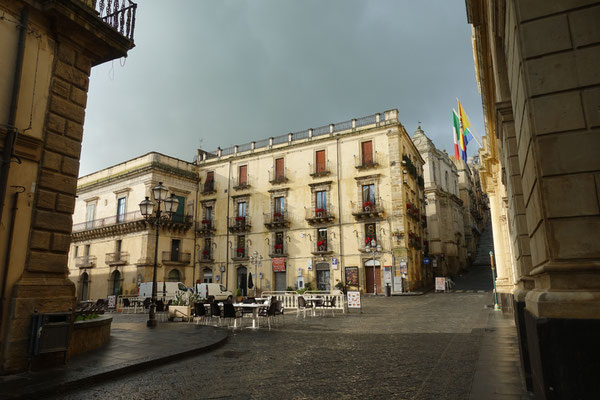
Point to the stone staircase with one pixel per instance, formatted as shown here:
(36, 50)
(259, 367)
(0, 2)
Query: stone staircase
(485, 245)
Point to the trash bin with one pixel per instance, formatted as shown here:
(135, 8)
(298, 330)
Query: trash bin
(388, 290)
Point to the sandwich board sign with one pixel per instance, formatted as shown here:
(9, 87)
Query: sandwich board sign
(354, 300)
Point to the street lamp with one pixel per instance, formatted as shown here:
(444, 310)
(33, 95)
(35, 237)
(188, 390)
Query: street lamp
(496, 306)
(159, 193)
(375, 249)
(256, 259)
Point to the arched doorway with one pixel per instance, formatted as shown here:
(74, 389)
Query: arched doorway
(323, 277)
(242, 280)
(84, 282)
(372, 283)
(115, 284)
(174, 276)
(208, 275)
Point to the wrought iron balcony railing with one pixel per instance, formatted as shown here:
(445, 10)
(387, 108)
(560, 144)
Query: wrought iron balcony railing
(368, 209)
(206, 255)
(321, 247)
(276, 220)
(239, 224)
(366, 162)
(117, 258)
(85, 261)
(176, 258)
(319, 215)
(108, 221)
(276, 177)
(278, 250)
(318, 170)
(206, 227)
(119, 14)
(239, 254)
(208, 187)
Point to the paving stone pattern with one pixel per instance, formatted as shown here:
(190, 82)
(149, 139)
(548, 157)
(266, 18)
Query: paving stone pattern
(419, 347)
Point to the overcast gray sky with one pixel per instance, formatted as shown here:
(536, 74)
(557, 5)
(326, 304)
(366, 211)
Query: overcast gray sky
(219, 73)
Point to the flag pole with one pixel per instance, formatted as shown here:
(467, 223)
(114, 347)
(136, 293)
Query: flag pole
(475, 134)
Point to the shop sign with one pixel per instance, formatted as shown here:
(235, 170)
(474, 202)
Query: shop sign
(279, 264)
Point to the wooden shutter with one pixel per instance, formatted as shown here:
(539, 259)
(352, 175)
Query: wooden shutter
(320, 156)
(210, 176)
(243, 177)
(367, 152)
(279, 168)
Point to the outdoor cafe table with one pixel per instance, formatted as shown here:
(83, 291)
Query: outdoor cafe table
(255, 307)
(313, 302)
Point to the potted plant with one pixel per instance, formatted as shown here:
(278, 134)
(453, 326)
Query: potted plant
(367, 206)
(322, 245)
(181, 305)
(238, 295)
(319, 212)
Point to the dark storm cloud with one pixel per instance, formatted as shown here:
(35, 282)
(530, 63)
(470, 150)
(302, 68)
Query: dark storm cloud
(218, 73)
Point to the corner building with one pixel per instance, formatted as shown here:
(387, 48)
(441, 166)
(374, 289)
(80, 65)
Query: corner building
(309, 203)
(537, 66)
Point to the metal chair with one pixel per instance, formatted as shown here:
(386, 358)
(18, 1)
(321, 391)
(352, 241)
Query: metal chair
(301, 306)
(268, 313)
(229, 312)
(199, 313)
(330, 304)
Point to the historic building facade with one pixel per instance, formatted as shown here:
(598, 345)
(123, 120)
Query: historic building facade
(112, 250)
(537, 67)
(48, 49)
(444, 209)
(310, 203)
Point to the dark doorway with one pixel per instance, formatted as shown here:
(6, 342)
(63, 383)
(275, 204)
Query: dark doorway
(242, 280)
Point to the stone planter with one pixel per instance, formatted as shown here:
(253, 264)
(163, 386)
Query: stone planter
(182, 312)
(89, 335)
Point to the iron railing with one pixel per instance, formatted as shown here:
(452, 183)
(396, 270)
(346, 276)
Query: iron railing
(85, 261)
(209, 187)
(239, 224)
(319, 215)
(119, 257)
(108, 221)
(276, 219)
(320, 131)
(322, 247)
(319, 170)
(206, 254)
(278, 250)
(362, 162)
(205, 226)
(367, 208)
(178, 257)
(119, 14)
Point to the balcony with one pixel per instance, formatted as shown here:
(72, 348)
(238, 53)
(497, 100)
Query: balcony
(208, 188)
(117, 14)
(207, 255)
(236, 184)
(317, 171)
(118, 258)
(278, 177)
(367, 210)
(319, 216)
(176, 258)
(239, 224)
(85, 261)
(276, 220)
(412, 211)
(240, 254)
(206, 227)
(278, 250)
(321, 248)
(363, 163)
(364, 245)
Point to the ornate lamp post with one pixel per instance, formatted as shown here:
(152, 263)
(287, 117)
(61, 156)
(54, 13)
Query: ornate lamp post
(256, 259)
(375, 250)
(159, 193)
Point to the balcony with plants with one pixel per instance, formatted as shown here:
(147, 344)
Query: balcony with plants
(319, 215)
(276, 220)
(206, 227)
(239, 224)
(368, 209)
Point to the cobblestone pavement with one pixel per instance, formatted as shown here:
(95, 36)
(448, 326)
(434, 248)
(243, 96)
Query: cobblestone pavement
(417, 347)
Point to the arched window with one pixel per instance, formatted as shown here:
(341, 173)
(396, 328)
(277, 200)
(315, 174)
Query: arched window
(115, 284)
(174, 276)
(84, 282)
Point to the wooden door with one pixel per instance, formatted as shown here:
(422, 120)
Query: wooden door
(367, 152)
(243, 178)
(369, 279)
(279, 169)
(320, 158)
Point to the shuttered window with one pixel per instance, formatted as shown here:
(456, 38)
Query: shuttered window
(279, 171)
(320, 158)
(243, 175)
(367, 152)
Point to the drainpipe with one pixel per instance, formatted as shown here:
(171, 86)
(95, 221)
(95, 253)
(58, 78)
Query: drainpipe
(11, 136)
(195, 234)
(339, 195)
(13, 214)
(227, 229)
